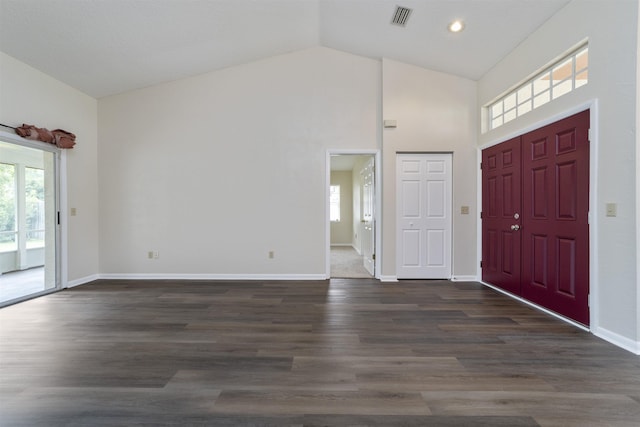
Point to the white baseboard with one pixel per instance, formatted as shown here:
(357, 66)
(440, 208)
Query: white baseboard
(347, 245)
(453, 278)
(458, 278)
(619, 340)
(234, 277)
(82, 280)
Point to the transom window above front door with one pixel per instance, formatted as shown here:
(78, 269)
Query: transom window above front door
(563, 76)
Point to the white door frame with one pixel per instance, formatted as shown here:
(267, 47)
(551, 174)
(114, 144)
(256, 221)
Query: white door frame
(378, 206)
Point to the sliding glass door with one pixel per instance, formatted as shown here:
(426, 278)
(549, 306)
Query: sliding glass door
(28, 221)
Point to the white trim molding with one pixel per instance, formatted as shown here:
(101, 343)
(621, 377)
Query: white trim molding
(82, 281)
(234, 277)
(388, 278)
(461, 278)
(618, 340)
(375, 153)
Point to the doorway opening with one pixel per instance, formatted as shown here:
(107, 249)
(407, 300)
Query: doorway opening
(28, 221)
(352, 203)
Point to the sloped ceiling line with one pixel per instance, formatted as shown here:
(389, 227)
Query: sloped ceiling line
(107, 47)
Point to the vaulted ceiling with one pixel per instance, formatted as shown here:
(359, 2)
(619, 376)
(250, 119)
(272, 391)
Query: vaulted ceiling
(104, 47)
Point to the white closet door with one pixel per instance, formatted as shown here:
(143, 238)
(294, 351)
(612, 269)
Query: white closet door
(423, 212)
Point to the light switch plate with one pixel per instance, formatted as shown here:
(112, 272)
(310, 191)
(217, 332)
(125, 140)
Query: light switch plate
(612, 209)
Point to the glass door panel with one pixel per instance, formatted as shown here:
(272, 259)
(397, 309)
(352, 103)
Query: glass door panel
(28, 222)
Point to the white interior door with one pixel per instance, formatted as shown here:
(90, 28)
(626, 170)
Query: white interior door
(423, 214)
(368, 216)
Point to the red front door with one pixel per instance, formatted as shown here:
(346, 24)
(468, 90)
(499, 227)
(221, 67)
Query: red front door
(535, 204)
(555, 233)
(501, 207)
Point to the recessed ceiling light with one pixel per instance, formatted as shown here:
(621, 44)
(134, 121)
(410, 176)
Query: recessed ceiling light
(456, 26)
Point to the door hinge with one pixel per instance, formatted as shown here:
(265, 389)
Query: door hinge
(373, 257)
(590, 135)
(480, 264)
(58, 217)
(480, 214)
(480, 165)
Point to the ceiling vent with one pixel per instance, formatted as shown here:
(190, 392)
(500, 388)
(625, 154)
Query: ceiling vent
(401, 16)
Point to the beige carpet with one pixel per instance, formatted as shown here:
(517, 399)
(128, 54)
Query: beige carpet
(346, 263)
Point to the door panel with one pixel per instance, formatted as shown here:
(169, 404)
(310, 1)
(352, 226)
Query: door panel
(500, 244)
(424, 186)
(411, 252)
(555, 216)
(435, 248)
(411, 196)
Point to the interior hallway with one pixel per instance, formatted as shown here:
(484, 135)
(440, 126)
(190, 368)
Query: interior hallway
(347, 263)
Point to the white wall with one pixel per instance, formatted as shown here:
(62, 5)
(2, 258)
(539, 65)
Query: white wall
(217, 170)
(638, 180)
(611, 28)
(342, 231)
(435, 112)
(29, 96)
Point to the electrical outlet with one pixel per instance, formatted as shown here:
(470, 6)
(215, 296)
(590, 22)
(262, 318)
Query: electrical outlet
(73, 212)
(271, 254)
(464, 210)
(150, 254)
(612, 209)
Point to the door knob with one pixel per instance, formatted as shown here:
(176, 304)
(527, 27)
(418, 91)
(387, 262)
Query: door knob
(515, 227)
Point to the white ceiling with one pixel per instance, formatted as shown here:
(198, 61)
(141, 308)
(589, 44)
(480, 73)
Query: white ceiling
(104, 47)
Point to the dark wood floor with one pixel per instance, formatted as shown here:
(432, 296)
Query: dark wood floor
(345, 352)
